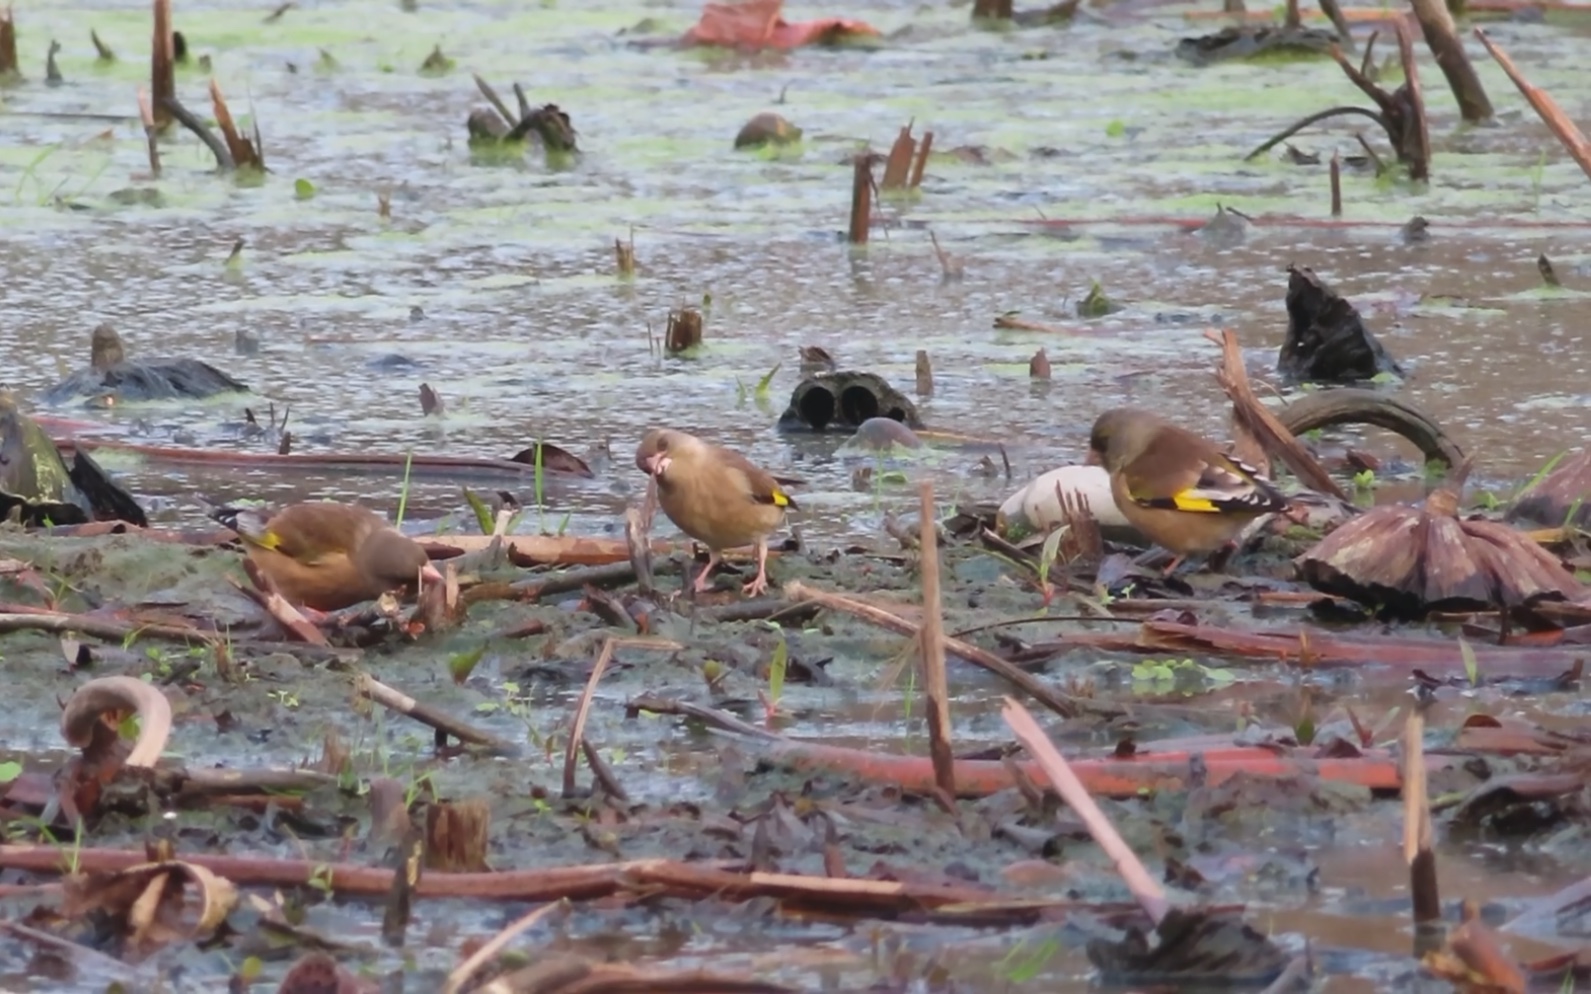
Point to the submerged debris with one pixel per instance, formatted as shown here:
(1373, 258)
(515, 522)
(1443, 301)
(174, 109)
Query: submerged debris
(1327, 341)
(684, 331)
(112, 376)
(1190, 947)
(767, 128)
(10, 68)
(436, 64)
(883, 435)
(1353, 405)
(1243, 42)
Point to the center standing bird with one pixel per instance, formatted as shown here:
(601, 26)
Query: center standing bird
(1176, 487)
(327, 556)
(716, 496)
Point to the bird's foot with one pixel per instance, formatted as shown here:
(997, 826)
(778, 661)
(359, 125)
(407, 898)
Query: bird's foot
(758, 585)
(704, 579)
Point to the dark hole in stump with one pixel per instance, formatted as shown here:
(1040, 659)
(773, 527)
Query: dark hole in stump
(817, 408)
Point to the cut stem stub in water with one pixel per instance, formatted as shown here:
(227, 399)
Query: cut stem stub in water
(162, 66)
(245, 153)
(861, 198)
(684, 330)
(624, 255)
(931, 638)
(903, 168)
(1441, 36)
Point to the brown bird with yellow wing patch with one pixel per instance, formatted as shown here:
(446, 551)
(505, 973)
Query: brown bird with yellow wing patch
(327, 556)
(716, 496)
(1177, 488)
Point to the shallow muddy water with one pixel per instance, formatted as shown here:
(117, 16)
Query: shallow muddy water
(497, 281)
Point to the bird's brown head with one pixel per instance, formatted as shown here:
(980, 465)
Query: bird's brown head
(661, 446)
(1117, 436)
(395, 559)
(105, 348)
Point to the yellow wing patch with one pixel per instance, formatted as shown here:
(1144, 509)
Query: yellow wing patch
(1190, 502)
(780, 498)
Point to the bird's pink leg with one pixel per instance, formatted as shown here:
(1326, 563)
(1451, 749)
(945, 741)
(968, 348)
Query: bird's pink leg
(701, 586)
(759, 583)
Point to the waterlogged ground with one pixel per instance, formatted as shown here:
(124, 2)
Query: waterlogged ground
(497, 281)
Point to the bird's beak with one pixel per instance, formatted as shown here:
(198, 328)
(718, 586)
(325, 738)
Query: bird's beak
(430, 574)
(655, 464)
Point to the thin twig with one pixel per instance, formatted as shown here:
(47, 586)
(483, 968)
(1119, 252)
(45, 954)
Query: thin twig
(603, 772)
(636, 537)
(711, 717)
(465, 970)
(1062, 704)
(72, 950)
(1315, 118)
(388, 697)
(577, 731)
(1417, 839)
(1545, 106)
(932, 646)
(102, 628)
(1144, 889)
(490, 94)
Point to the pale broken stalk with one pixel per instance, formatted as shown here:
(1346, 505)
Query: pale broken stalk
(1144, 889)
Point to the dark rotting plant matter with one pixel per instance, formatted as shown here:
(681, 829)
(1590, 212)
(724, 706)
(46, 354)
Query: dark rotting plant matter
(1327, 341)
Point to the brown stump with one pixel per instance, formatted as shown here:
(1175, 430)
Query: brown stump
(10, 69)
(162, 66)
(843, 400)
(684, 330)
(861, 199)
(1442, 39)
